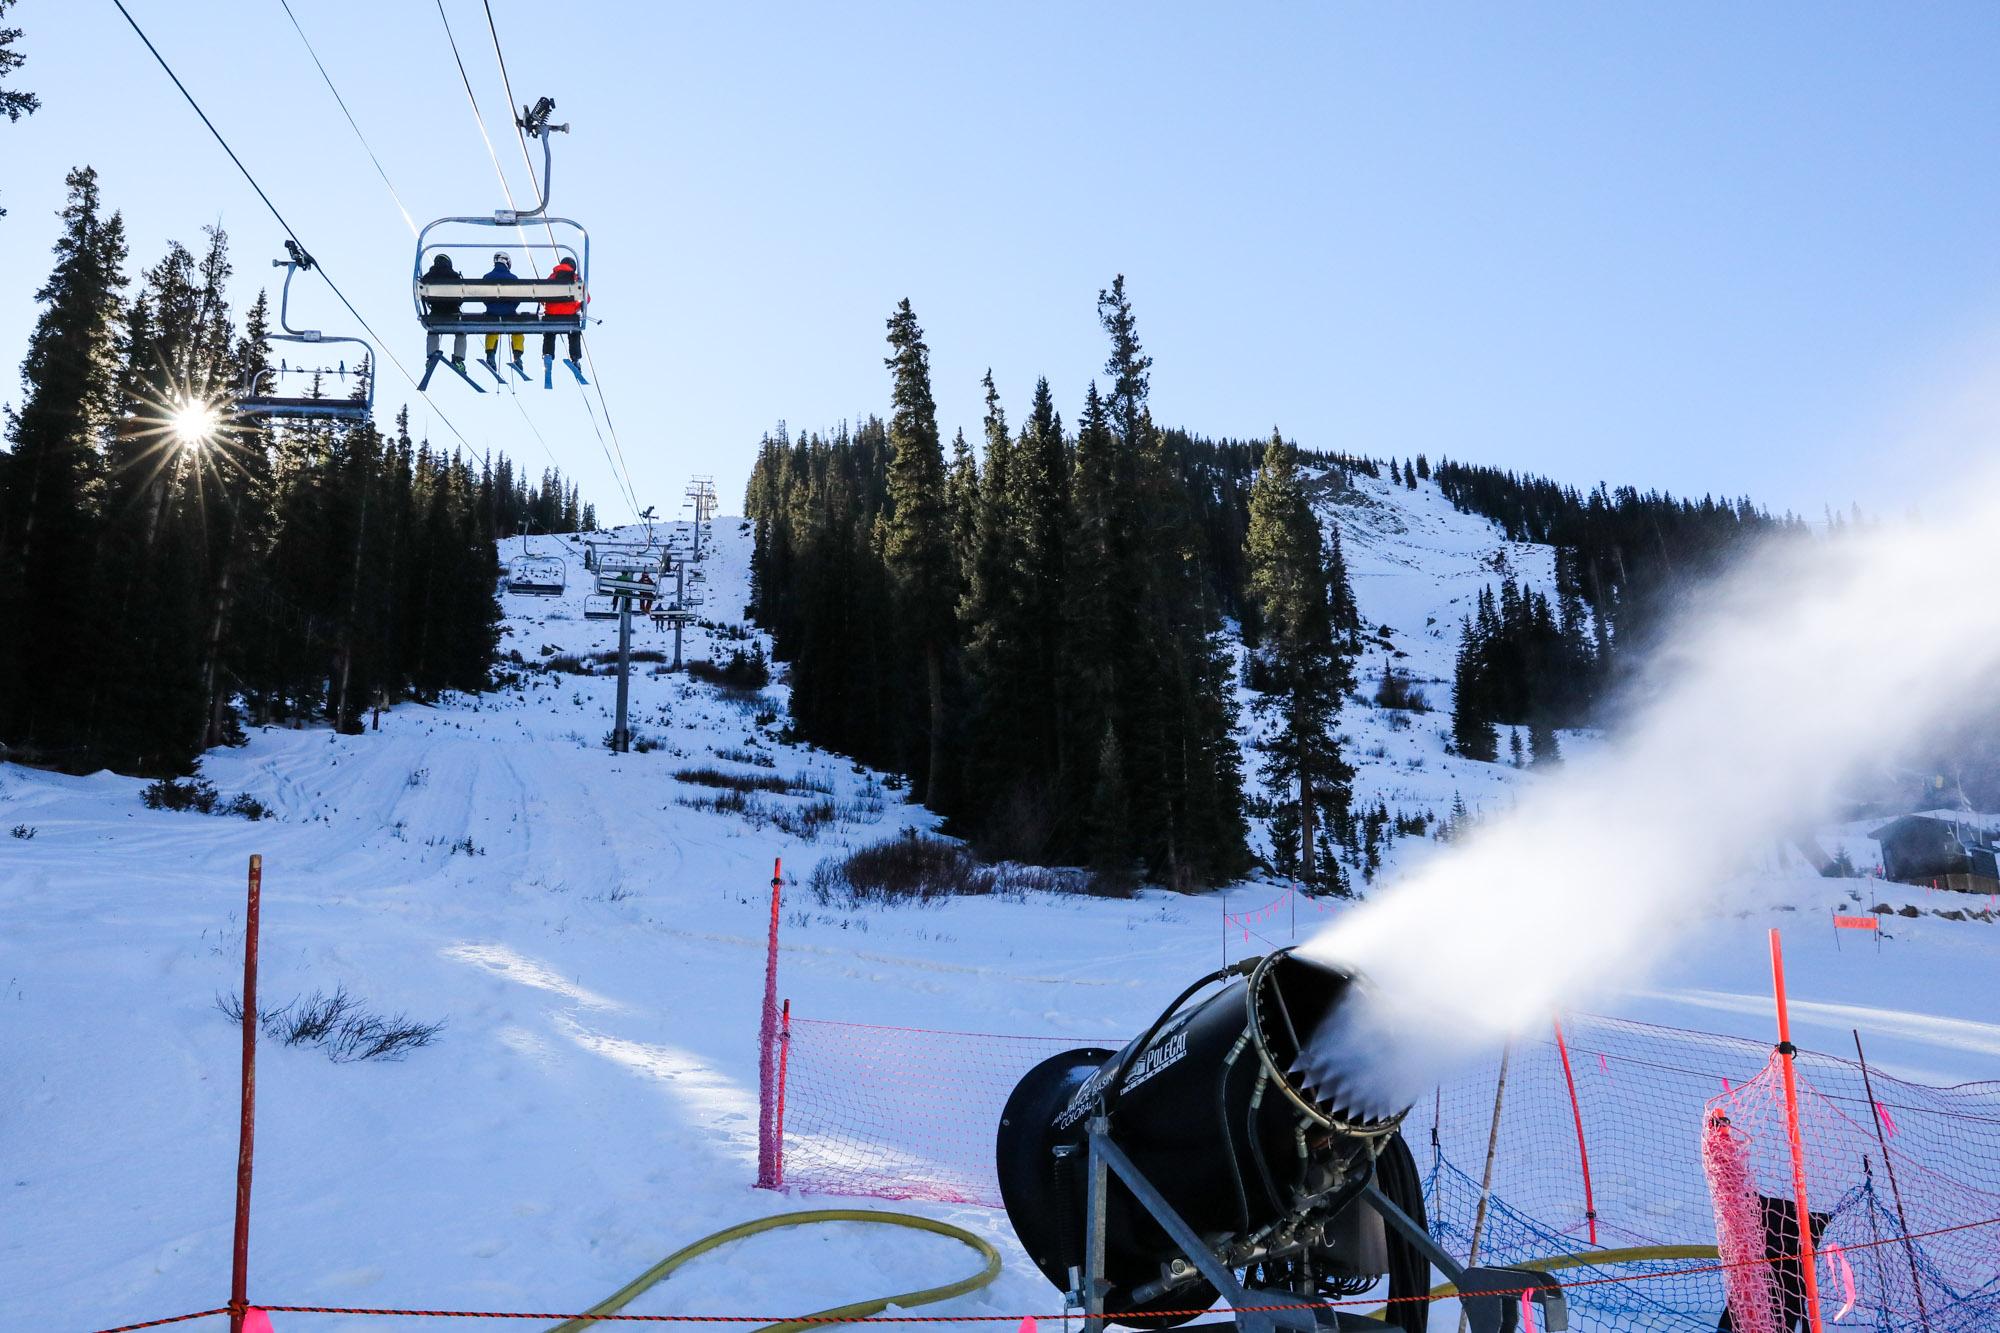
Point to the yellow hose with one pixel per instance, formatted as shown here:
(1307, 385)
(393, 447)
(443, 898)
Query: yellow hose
(632, 1290)
(1589, 1259)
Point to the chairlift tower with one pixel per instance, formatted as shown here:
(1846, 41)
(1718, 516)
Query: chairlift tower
(701, 494)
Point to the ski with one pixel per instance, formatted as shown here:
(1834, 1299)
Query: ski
(575, 370)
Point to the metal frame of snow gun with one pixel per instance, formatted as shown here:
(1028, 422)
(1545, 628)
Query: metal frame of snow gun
(1484, 1291)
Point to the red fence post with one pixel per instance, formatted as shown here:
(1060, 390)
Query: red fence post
(239, 1267)
(1808, 1264)
(784, 1059)
(767, 1041)
(1582, 1153)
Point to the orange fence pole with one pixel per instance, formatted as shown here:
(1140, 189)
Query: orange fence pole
(239, 1266)
(1808, 1263)
(1582, 1152)
(767, 1043)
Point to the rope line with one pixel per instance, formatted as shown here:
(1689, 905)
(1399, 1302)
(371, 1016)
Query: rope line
(381, 344)
(828, 1319)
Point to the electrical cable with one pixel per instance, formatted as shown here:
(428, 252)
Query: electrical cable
(380, 344)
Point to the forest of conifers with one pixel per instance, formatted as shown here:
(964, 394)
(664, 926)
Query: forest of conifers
(156, 592)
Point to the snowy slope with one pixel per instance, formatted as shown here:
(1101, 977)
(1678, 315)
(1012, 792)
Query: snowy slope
(595, 952)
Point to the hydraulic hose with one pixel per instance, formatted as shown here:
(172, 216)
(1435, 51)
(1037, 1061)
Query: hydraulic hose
(639, 1285)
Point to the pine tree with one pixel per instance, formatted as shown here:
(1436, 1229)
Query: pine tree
(14, 103)
(1472, 732)
(48, 492)
(149, 712)
(916, 535)
(1305, 668)
(961, 500)
(1543, 749)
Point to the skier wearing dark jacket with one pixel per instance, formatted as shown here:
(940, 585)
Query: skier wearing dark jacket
(441, 270)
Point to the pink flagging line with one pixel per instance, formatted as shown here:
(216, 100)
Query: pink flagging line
(1603, 1066)
(1837, 1265)
(1888, 1121)
(1270, 909)
(1527, 1314)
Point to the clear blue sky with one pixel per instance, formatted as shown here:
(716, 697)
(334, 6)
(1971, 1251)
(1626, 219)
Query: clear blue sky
(1700, 246)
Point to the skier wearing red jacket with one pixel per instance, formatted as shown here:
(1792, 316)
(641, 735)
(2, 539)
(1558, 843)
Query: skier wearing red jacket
(565, 271)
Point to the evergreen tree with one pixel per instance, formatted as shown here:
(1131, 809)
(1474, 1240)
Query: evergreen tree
(917, 539)
(1543, 750)
(48, 491)
(14, 102)
(1306, 670)
(1472, 732)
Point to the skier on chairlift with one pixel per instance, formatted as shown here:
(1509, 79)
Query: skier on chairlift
(503, 271)
(442, 270)
(564, 271)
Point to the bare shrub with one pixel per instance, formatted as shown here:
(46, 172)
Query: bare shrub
(912, 868)
(799, 784)
(336, 1024)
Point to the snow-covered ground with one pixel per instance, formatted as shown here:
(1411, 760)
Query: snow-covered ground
(594, 948)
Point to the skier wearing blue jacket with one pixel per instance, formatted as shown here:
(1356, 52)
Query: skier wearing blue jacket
(503, 271)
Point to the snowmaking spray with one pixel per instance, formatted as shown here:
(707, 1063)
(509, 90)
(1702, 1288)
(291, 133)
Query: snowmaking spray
(1809, 659)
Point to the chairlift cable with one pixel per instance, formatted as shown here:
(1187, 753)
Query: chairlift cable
(381, 346)
(620, 475)
(408, 221)
(596, 380)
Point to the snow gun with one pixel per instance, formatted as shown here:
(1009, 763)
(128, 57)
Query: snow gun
(1208, 1161)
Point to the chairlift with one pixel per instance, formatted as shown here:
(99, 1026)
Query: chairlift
(439, 300)
(627, 562)
(537, 575)
(259, 397)
(600, 606)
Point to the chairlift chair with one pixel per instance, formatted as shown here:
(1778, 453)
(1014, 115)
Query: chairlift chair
(537, 575)
(600, 606)
(567, 239)
(258, 398)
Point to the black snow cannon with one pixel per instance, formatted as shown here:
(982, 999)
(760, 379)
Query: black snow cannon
(1200, 1163)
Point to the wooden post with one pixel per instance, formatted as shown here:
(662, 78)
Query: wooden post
(239, 1268)
(1808, 1262)
(1486, 1176)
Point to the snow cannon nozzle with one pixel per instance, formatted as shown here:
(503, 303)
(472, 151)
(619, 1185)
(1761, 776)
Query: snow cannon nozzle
(1221, 1149)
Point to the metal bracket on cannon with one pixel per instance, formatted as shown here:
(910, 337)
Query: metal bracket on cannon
(1253, 1308)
